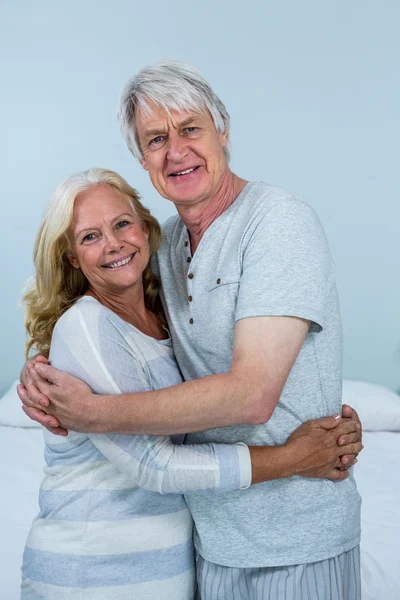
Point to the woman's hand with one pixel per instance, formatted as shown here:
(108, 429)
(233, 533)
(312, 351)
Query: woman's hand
(316, 447)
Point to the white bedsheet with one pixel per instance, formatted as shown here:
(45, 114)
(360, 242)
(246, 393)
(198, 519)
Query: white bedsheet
(378, 480)
(377, 475)
(21, 470)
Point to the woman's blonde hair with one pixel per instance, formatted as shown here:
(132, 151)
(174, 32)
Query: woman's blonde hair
(56, 284)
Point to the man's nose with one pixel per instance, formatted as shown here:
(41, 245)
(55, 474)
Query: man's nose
(177, 148)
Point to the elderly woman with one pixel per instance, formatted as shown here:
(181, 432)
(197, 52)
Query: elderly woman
(106, 529)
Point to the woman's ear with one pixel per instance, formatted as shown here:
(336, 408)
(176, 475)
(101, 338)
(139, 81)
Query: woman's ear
(146, 230)
(72, 259)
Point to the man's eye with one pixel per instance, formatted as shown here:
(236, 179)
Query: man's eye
(157, 140)
(190, 129)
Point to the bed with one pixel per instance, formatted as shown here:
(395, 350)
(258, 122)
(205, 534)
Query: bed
(377, 474)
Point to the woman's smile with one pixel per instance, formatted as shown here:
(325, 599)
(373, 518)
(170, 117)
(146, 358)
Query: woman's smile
(122, 262)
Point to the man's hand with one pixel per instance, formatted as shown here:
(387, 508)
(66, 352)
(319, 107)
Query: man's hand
(315, 451)
(46, 389)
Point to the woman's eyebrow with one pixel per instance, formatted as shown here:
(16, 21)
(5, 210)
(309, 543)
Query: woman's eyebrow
(125, 214)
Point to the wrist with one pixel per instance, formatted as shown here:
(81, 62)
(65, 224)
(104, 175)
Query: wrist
(289, 460)
(91, 421)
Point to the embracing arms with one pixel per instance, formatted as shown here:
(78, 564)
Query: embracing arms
(264, 351)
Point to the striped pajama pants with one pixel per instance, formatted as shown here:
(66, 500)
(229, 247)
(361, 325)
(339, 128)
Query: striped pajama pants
(336, 578)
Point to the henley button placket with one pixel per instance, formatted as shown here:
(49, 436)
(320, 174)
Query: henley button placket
(190, 276)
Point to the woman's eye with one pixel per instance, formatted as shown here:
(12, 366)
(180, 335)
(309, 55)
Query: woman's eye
(122, 224)
(88, 237)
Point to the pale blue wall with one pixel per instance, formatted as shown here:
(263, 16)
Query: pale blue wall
(313, 91)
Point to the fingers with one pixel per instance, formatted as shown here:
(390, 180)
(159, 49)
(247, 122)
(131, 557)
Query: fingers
(349, 439)
(349, 412)
(38, 415)
(47, 373)
(348, 460)
(338, 475)
(31, 396)
(39, 385)
(328, 422)
(346, 427)
(41, 359)
(354, 448)
(25, 375)
(57, 430)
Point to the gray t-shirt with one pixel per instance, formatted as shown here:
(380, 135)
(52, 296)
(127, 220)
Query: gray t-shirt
(265, 255)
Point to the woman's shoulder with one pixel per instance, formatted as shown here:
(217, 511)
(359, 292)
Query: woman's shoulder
(88, 318)
(84, 308)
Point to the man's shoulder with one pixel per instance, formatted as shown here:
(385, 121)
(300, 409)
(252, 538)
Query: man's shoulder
(171, 226)
(272, 205)
(271, 196)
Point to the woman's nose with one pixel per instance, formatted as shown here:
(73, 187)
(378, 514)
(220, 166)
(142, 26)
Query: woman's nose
(112, 242)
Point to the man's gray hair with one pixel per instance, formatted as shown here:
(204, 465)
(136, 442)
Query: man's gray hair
(171, 85)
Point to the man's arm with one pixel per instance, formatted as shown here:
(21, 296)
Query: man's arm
(265, 349)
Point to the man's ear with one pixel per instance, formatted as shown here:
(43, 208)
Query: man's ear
(224, 138)
(144, 164)
(72, 259)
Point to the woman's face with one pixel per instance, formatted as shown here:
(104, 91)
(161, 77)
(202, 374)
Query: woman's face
(108, 241)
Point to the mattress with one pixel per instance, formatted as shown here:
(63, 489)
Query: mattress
(377, 474)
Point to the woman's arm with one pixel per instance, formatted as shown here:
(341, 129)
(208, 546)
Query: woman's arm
(90, 346)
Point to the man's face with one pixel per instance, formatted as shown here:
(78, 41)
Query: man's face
(183, 154)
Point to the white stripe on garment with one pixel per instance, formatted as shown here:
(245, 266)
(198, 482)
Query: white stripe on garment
(96, 475)
(112, 537)
(50, 438)
(175, 588)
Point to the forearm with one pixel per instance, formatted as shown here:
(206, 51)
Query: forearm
(271, 462)
(157, 464)
(206, 403)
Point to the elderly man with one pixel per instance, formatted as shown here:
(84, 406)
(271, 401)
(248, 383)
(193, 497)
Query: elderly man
(250, 297)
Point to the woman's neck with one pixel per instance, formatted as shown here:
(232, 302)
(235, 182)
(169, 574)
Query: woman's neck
(130, 307)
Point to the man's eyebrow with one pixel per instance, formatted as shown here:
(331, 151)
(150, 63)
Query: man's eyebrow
(153, 132)
(160, 131)
(188, 121)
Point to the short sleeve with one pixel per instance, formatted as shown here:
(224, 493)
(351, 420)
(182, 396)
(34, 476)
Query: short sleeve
(287, 268)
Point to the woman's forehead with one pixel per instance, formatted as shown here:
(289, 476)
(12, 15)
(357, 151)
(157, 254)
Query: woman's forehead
(100, 202)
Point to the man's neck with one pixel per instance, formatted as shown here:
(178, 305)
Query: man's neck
(199, 217)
